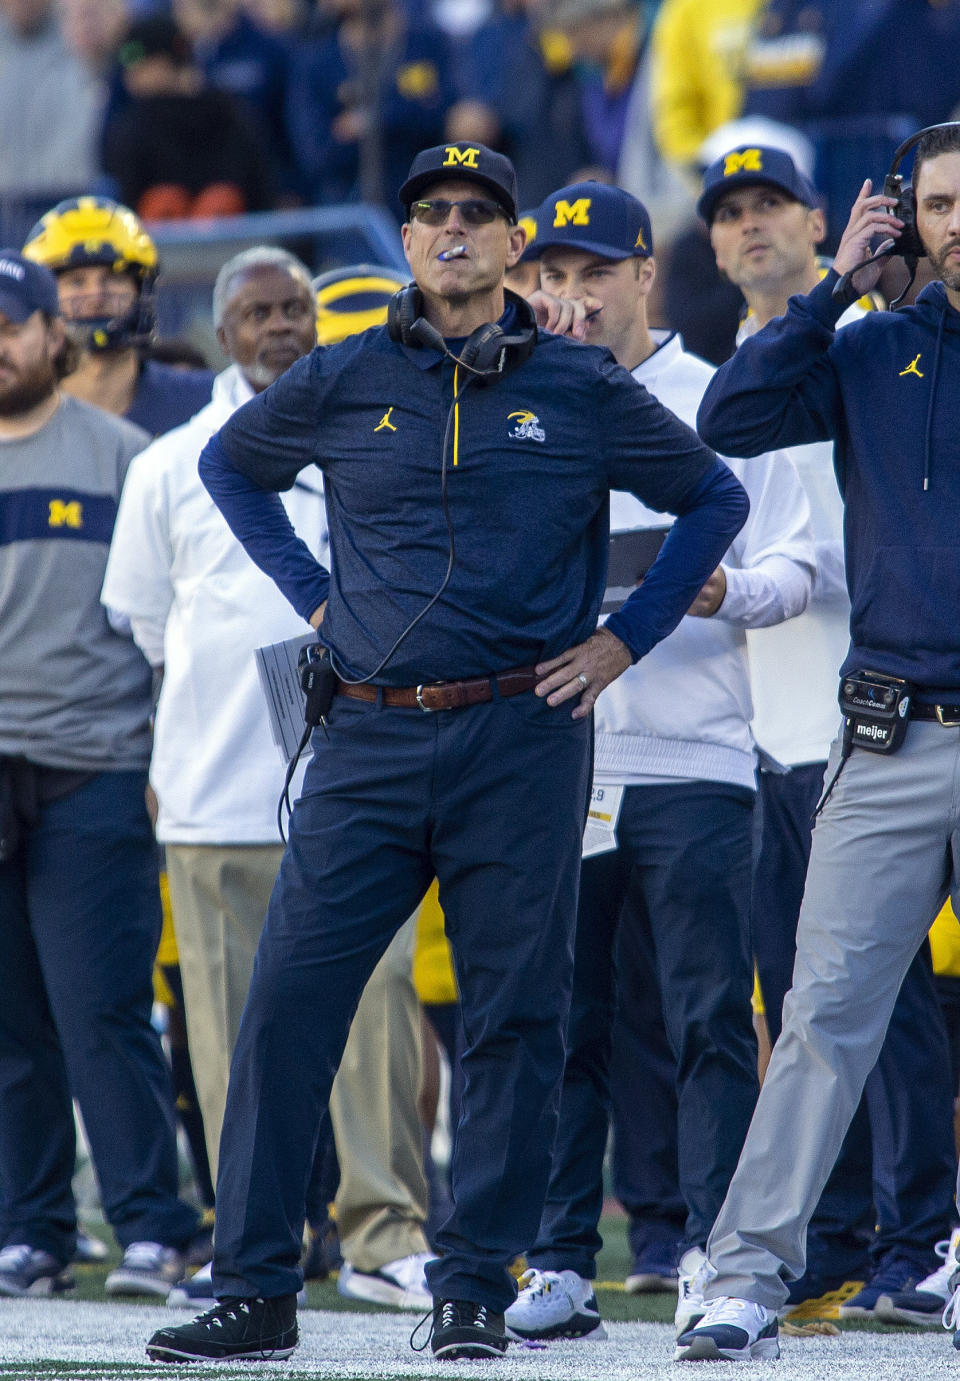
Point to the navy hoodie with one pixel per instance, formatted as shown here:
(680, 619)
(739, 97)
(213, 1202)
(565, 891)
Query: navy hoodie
(886, 390)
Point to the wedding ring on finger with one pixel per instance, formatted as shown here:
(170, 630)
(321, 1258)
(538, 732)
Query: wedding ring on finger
(583, 681)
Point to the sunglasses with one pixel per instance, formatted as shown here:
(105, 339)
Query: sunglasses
(475, 211)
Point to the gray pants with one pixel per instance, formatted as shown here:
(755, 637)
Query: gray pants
(886, 853)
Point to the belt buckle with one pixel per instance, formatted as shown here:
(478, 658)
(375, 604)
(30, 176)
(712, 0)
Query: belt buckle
(948, 723)
(428, 709)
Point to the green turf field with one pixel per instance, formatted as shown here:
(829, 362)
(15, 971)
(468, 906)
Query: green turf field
(614, 1264)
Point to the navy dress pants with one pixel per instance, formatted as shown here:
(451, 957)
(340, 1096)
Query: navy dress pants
(894, 1180)
(492, 799)
(683, 860)
(79, 928)
(643, 1105)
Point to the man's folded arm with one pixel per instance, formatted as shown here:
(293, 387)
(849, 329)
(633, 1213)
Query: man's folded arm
(709, 517)
(779, 388)
(258, 519)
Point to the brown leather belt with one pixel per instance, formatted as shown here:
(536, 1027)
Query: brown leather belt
(948, 715)
(446, 695)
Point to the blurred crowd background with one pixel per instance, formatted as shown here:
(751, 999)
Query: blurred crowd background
(212, 108)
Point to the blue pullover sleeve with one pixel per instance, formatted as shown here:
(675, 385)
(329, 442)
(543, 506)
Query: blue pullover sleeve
(780, 387)
(259, 521)
(652, 454)
(712, 514)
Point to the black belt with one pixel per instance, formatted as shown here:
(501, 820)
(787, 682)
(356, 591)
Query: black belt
(948, 715)
(445, 695)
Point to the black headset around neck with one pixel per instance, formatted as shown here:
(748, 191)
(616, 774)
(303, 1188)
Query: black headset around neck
(488, 352)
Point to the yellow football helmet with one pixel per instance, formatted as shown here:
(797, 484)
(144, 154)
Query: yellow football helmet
(85, 232)
(352, 298)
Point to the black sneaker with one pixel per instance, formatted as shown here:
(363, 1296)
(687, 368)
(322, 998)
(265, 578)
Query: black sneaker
(464, 1329)
(235, 1329)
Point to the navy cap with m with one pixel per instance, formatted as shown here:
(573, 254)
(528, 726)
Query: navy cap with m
(595, 217)
(752, 167)
(466, 163)
(25, 288)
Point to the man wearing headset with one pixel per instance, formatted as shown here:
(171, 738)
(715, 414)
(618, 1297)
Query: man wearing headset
(887, 842)
(468, 534)
(766, 222)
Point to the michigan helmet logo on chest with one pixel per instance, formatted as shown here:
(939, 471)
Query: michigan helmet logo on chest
(526, 427)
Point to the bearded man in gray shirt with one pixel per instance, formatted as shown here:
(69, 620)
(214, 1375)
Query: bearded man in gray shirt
(79, 891)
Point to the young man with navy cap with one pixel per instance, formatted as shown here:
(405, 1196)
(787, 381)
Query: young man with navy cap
(765, 226)
(79, 889)
(468, 535)
(673, 736)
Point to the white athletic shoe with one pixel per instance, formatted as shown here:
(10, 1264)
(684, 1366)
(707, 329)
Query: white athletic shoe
(731, 1330)
(951, 1310)
(923, 1306)
(400, 1283)
(25, 1270)
(147, 1268)
(554, 1304)
(695, 1274)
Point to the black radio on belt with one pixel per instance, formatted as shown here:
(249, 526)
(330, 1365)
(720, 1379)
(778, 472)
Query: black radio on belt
(318, 681)
(876, 710)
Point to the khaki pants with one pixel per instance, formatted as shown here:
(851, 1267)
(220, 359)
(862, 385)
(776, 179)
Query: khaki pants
(219, 896)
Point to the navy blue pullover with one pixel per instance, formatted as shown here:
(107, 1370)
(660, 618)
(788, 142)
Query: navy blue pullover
(886, 390)
(530, 463)
(166, 397)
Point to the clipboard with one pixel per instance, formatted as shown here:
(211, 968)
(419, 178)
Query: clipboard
(631, 556)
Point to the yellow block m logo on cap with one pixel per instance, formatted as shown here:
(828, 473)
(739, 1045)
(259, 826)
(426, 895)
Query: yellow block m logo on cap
(743, 161)
(65, 514)
(463, 158)
(572, 213)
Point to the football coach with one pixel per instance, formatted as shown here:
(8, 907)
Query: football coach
(467, 457)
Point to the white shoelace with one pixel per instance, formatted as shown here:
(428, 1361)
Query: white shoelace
(143, 1256)
(938, 1281)
(214, 1317)
(15, 1257)
(726, 1309)
(693, 1286)
(537, 1283)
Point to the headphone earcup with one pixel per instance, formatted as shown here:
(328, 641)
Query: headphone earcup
(909, 244)
(481, 348)
(403, 309)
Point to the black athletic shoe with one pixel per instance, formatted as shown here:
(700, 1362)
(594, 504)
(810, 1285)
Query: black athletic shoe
(235, 1329)
(464, 1329)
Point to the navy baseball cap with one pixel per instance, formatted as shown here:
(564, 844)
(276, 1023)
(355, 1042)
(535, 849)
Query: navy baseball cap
(464, 162)
(25, 287)
(753, 166)
(596, 217)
